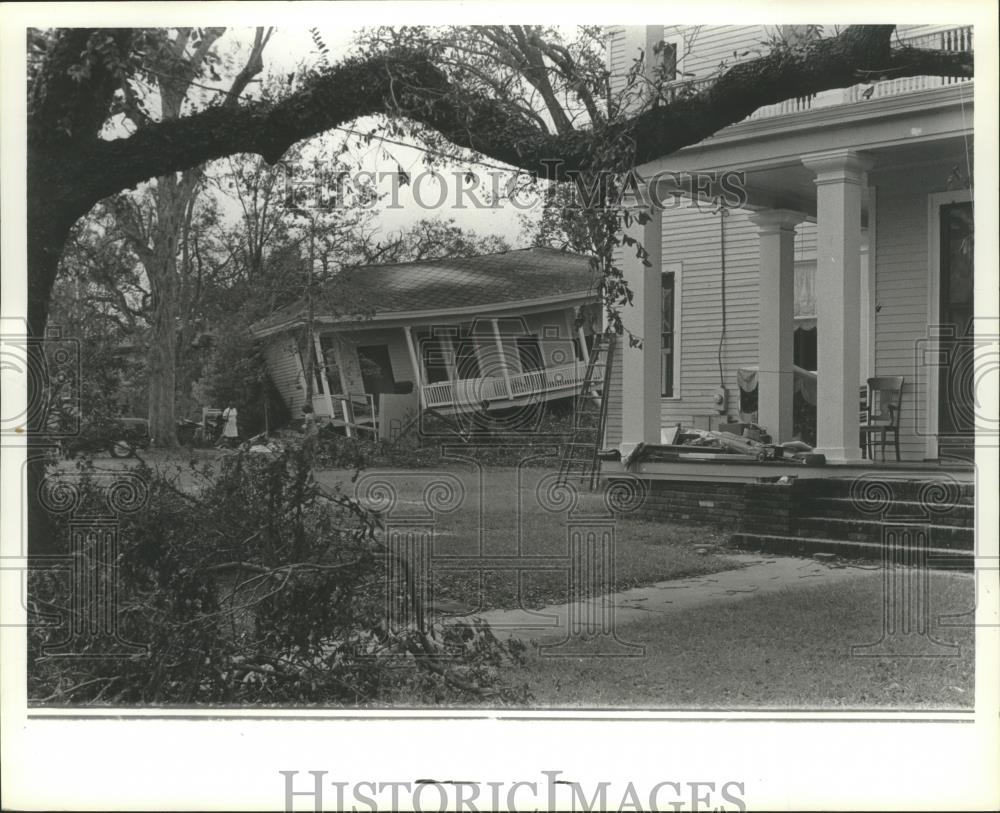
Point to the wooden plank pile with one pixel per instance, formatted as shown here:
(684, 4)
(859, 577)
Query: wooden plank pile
(724, 446)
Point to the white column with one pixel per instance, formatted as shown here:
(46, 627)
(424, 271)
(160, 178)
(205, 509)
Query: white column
(418, 379)
(498, 339)
(584, 350)
(776, 344)
(321, 367)
(867, 308)
(840, 175)
(641, 365)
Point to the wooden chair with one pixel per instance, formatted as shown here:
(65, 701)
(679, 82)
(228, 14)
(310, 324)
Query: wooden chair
(881, 414)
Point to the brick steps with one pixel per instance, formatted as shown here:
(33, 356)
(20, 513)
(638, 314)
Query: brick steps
(845, 516)
(931, 489)
(940, 558)
(867, 530)
(961, 515)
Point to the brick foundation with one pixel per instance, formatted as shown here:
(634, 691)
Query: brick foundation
(750, 507)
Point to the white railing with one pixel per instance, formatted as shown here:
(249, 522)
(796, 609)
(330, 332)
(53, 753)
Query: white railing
(796, 105)
(947, 39)
(473, 391)
(355, 409)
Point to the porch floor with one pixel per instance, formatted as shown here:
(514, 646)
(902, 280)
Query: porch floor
(745, 470)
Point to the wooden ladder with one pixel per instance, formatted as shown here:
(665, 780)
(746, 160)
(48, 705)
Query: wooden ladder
(590, 414)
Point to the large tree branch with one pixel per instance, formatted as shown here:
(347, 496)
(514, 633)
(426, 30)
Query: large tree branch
(859, 54)
(407, 82)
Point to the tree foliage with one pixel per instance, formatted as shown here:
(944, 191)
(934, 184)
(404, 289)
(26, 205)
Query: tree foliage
(519, 96)
(255, 587)
(76, 85)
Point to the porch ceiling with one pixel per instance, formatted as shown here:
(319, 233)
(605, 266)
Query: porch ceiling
(788, 184)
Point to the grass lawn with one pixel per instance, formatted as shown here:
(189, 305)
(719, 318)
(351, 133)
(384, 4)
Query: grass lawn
(784, 650)
(501, 515)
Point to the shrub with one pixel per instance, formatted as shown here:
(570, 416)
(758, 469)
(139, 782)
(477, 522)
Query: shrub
(249, 586)
(421, 445)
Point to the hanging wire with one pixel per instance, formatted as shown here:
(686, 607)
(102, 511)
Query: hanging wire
(723, 213)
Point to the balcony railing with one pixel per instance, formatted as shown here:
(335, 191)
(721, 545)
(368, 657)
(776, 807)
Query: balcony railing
(950, 39)
(562, 379)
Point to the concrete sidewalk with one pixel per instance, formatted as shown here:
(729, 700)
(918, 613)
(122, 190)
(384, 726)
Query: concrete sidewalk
(759, 576)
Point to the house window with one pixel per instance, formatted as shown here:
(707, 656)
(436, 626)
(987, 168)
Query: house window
(670, 56)
(467, 351)
(435, 353)
(668, 61)
(670, 312)
(804, 315)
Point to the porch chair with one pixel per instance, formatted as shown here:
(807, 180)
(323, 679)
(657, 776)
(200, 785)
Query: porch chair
(881, 414)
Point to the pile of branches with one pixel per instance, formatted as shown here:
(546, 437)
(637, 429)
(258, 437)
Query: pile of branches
(253, 585)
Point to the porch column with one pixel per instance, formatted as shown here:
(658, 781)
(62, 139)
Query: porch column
(418, 379)
(776, 345)
(321, 367)
(641, 365)
(840, 175)
(503, 357)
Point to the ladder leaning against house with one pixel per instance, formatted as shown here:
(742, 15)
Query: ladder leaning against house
(581, 454)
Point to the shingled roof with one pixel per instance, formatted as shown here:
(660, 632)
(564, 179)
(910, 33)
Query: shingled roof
(428, 286)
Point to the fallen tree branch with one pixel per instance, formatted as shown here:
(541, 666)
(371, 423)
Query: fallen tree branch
(408, 83)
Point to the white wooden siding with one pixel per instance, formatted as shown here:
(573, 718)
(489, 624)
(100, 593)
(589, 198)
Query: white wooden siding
(622, 48)
(704, 48)
(691, 237)
(285, 369)
(901, 294)
(613, 425)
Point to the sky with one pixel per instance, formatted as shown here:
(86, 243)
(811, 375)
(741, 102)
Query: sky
(424, 196)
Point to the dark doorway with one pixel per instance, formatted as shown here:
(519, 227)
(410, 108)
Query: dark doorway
(376, 369)
(435, 353)
(529, 351)
(805, 348)
(956, 382)
(467, 359)
(467, 351)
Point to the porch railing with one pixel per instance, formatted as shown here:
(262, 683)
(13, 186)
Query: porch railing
(562, 378)
(356, 410)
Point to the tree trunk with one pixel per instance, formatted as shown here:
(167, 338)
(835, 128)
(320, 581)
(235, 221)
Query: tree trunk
(47, 234)
(172, 197)
(162, 361)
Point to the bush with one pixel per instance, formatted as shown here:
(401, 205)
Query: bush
(251, 586)
(421, 446)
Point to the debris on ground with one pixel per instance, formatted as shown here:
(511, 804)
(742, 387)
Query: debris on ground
(745, 440)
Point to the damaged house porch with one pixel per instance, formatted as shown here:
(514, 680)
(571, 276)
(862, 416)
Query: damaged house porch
(839, 290)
